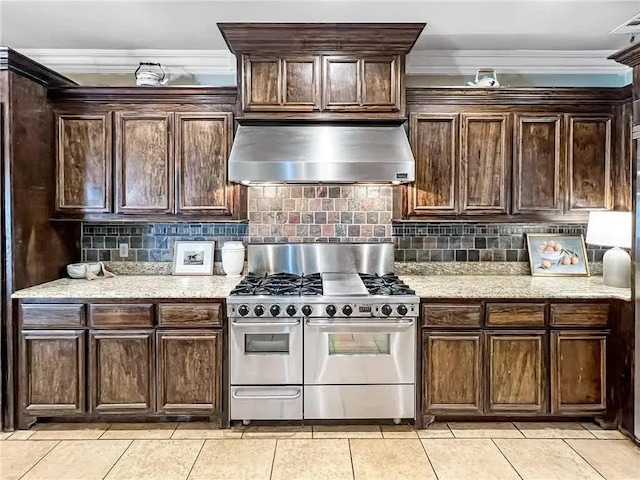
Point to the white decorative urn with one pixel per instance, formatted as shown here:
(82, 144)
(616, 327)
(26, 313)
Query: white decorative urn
(233, 258)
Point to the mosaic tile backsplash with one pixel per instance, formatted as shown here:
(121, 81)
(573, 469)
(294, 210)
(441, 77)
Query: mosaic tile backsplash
(474, 242)
(320, 214)
(153, 242)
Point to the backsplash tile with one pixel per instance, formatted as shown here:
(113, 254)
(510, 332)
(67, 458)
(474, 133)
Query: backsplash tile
(353, 213)
(153, 242)
(474, 242)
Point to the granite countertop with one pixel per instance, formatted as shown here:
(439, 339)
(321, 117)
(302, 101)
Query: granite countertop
(512, 286)
(436, 286)
(134, 286)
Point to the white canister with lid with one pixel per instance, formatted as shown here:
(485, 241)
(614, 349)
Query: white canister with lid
(233, 258)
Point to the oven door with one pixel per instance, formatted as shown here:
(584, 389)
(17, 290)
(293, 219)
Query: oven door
(266, 351)
(352, 352)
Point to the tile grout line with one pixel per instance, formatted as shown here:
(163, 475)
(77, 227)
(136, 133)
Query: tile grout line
(353, 470)
(105, 431)
(196, 459)
(429, 459)
(273, 460)
(42, 458)
(114, 463)
(585, 460)
(493, 440)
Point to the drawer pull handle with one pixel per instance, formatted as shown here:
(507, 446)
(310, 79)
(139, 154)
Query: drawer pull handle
(268, 397)
(265, 324)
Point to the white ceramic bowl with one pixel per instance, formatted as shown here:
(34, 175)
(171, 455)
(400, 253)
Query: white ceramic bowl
(78, 270)
(553, 257)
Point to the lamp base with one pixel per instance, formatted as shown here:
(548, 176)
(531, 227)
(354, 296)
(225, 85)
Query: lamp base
(616, 268)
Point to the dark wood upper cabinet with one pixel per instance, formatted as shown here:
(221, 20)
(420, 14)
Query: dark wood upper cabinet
(203, 142)
(381, 79)
(578, 372)
(434, 141)
(262, 83)
(301, 79)
(485, 162)
(589, 162)
(537, 161)
(121, 371)
(144, 162)
(516, 379)
(189, 369)
(83, 163)
(356, 83)
(52, 372)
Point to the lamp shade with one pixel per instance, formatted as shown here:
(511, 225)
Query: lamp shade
(609, 229)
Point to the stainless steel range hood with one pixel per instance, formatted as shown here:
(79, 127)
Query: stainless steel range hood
(319, 153)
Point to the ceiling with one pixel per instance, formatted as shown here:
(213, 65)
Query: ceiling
(191, 25)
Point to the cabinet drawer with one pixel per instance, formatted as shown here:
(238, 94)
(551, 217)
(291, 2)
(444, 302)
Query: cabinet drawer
(52, 315)
(121, 315)
(189, 314)
(515, 314)
(463, 316)
(568, 314)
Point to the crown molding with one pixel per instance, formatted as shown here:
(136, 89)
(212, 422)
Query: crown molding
(420, 62)
(467, 62)
(103, 61)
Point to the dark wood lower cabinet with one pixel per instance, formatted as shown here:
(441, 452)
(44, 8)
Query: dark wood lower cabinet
(578, 372)
(189, 371)
(453, 372)
(516, 373)
(121, 371)
(52, 372)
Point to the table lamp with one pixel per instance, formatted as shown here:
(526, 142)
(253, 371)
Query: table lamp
(612, 229)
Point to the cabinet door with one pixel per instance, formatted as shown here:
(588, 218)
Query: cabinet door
(380, 78)
(262, 83)
(189, 371)
(144, 163)
(516, 380)
(578, 372)
(52, 372)
(203, 142)
(342, 84)
(435, 148)
(589, 163)
(537, 164)
(83, 165)
(301, 83)
(453, 373)
(484, 163)
(121, 371)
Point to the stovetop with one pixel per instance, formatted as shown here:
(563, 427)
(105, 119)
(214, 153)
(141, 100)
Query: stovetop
(288, 284)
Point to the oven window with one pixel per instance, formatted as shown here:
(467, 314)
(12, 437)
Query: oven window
(359, 344)
(266, 343)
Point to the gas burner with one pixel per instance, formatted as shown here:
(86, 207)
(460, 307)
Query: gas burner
(279, 284)
(388, 284)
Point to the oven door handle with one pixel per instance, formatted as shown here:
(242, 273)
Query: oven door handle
(267, 397)
(265, 324)
(394, 324)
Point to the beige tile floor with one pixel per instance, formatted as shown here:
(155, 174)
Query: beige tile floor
(453, 451)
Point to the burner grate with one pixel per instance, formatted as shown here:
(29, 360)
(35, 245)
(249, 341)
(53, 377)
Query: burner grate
(388, 284)
(279, 284)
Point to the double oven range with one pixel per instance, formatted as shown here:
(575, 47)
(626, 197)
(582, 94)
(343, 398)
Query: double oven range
(322, 331)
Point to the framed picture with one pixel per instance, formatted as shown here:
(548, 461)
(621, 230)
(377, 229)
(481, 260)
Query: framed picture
(557, 254)
(193, 258)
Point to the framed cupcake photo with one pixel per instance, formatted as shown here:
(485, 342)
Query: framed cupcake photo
(557, 254)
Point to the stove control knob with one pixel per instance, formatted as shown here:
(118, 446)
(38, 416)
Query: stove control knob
(307, 310)
(386, 310)
(243, 310)
(331, 310)
(347, 310)
(275, 310)
(258, 310)
(402, 310)
(291, 310)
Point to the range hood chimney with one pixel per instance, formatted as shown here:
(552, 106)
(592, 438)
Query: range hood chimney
(319, 153)
(344, 121)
